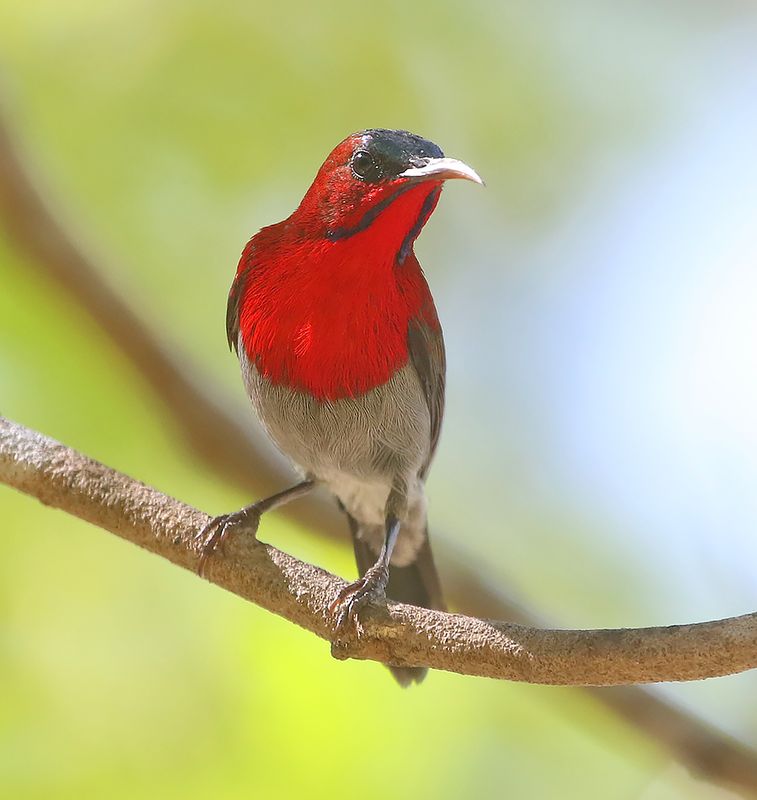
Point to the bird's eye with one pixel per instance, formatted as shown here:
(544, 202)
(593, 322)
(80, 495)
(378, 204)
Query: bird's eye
(362, 163)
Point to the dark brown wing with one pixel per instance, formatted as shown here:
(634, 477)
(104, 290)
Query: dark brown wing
(232, 310)
(426, 347)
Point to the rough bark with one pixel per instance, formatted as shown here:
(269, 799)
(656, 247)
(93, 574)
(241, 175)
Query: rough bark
(395, 634)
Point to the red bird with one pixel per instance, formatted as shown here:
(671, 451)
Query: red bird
(342, 356)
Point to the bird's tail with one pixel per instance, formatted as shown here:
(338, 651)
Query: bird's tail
(416, 584)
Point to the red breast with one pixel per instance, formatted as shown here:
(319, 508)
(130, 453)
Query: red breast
(322, 300)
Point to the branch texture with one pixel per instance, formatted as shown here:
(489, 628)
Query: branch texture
(398, 634)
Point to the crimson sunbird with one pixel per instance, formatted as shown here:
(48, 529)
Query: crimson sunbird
(343, 358)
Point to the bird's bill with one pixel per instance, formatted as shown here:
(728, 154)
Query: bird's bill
(442, 169)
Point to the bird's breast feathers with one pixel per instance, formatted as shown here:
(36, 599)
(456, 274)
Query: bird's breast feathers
(384, 432)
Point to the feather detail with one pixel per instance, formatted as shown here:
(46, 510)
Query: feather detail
(331, 317)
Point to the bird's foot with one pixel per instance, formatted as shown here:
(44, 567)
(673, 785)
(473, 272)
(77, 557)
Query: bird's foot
(370, 588)
(212, 536)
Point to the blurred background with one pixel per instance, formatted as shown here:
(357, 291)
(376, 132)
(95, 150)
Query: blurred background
(599, 457)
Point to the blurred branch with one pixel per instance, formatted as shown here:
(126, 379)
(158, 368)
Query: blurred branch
(226, 443)
(229, 447)
(401, 635)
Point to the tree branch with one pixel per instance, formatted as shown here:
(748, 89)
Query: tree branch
(398, 634)
(229, 446)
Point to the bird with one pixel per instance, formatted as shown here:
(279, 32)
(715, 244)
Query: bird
(342, 356)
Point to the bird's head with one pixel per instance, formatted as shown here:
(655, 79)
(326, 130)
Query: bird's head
(384, 180)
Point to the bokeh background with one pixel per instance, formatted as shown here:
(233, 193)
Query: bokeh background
(599, 456)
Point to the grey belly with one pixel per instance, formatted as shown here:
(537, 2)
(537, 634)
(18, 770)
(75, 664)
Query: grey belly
(359, 448)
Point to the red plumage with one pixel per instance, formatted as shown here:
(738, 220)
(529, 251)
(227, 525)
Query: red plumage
(331, 317)
(343, 358)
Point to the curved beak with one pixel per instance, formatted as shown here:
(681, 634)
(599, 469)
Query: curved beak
(442, 169)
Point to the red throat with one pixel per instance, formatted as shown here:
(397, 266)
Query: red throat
(327, 312)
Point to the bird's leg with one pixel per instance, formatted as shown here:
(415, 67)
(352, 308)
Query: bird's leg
(372, 586)
(247, 518)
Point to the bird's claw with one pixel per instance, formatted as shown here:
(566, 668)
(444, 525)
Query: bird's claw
(355, 596)
(212, 536)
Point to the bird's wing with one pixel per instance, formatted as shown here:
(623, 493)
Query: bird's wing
(232, 309)
(425, 345)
